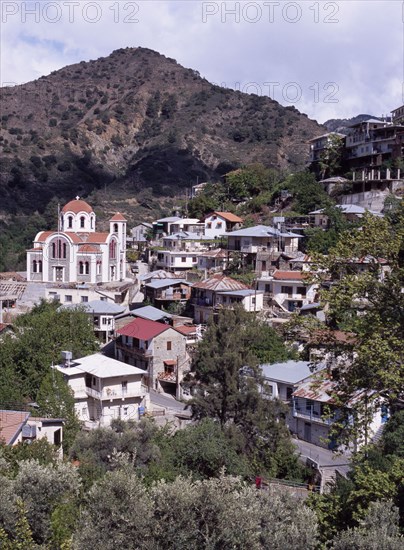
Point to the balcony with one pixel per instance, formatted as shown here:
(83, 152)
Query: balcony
(143, 352)
(173, 296)
(203, 302)
(311, 414)
(116, 393)
(167, 377)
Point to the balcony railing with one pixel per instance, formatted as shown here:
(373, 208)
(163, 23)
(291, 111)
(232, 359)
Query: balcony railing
(312, 415)
(167, 377)
(138, 351)
(116, 393)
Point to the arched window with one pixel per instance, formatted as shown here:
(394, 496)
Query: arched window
(87, 267)
(54, 249)
(92, 222)
(40, 266)
(82, 221)
(34, 266)
(115, 228)
(64, 250)
(112, 250)
(70, 222)
(98, 268)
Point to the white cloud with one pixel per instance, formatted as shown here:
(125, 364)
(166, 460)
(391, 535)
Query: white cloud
(358, 58)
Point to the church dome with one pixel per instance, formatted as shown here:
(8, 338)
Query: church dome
(76, 206)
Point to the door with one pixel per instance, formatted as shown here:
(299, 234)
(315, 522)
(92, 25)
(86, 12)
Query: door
(58, 273)
(307, 432)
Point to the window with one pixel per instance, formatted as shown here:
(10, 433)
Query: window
(219, 225)
(92, 222)
(267, 288)
(59, 251)
(112, 250)
(125, 411)
(209, 225)
(124, 386)
(263, 266)
(301, 290)
(115, 228)
(289, 392)
(40, 266)
(70, 222)
(169, 346)
(81, 268)
(84, 299)
(68, 298)
(82, 221)
(87, 268)
(287, 290)
(194, 259)
(34, 266)
(183, 259)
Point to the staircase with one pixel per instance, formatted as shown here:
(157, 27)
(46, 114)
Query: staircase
(378, 434)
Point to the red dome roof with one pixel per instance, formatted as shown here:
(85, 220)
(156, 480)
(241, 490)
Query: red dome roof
(76, 206)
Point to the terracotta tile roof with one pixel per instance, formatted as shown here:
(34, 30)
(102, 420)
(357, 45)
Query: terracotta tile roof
(94, 237)
(12, 276)
(220, 283)
(186, 329)
(89, 249)
(290, 275)
(332, 337)
(143, 329)
(77, 206)
(44, 235)
(218, 253)
(118, 217)
(229, 216)
(11, 423)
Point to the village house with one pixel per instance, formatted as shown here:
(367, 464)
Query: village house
(261, 244)
(20, 427)
(188, 225)
(73, 293)
(219, 223)
(314, 411)
(206, 299)
(156, 348)
(102, 315)
(289, 290)
(281, 379)
(104, 388)
(250, 299)
(162, 292)
(319, 144)
(179, 252)
(351, 212)
(213, 260)
(139, 235)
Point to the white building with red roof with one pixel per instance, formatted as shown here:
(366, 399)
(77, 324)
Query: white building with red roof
(218, 223)
(76, 252)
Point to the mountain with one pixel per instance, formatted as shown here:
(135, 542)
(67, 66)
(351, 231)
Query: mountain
(342, 124)
(133, 121)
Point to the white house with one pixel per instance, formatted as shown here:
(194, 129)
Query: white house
(281, 379)
(290, 290)
(104, 389)
(262, 238)
(102, 315)
(76, 252)
(218, 223)
(251, 300)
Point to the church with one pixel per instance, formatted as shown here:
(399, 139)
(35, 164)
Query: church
(76, 252)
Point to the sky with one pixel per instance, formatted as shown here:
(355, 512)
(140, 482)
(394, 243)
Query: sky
(328, 59)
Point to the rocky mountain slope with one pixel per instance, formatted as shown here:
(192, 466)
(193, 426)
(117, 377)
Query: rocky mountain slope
(132, 121)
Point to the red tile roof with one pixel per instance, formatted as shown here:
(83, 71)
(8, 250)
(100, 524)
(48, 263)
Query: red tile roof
(143, 329)
(94, 237)
(88, 249)
(118, 218)
(77, 206)
(229, 216)
(44, 235)
(11, 423)
(186, 329)
(290, 275)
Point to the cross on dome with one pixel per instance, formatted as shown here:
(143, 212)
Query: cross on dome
(77, 198)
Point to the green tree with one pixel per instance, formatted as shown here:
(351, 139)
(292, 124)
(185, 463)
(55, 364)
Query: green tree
(40, 335)
(56, 400)
(331, 158)
(308, 194)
